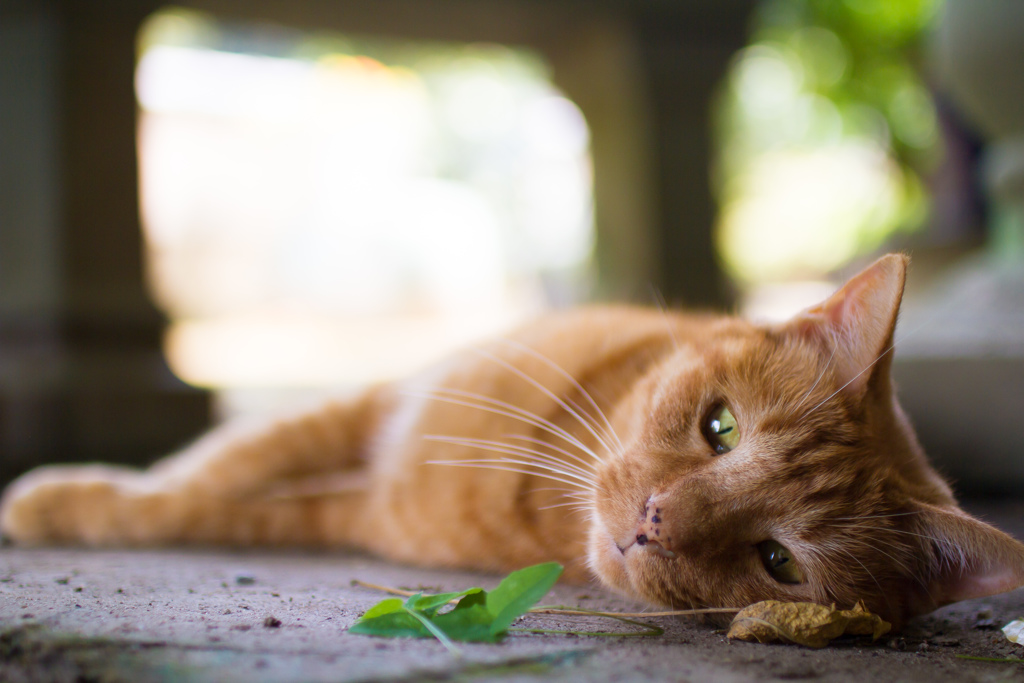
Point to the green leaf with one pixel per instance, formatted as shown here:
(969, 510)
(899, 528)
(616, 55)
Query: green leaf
(472, 624)
(477, 597)
(399, 624)
(479, 616)
(384, 607)
(429, 604)
(520, 591)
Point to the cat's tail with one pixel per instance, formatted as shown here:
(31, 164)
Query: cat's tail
(99, 505)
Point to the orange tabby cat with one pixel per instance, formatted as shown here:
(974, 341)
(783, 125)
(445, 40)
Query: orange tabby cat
(684, 460)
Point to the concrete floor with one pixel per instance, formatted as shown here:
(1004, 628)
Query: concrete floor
(170, 615)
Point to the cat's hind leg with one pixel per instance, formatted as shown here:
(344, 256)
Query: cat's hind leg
(241, 460)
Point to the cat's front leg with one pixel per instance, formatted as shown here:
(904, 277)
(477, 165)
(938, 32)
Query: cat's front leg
(69, 503)
(108, 506)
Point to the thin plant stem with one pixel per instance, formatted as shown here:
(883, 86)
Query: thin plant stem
(635, 615)
(1002, 660)
(435, 631)
(649, 629)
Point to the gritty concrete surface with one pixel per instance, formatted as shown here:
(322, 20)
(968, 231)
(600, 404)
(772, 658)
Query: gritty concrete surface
(174, 615)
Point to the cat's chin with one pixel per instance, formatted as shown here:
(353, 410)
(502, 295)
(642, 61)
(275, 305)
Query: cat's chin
(608, 562)
(617, 568)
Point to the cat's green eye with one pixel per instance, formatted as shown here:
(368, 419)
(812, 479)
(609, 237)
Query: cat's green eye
(721, 430)
(779, 562)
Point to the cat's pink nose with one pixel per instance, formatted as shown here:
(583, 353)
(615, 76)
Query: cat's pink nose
(651, 534)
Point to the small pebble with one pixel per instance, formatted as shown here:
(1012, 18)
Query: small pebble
(241, 627)
(272, 622)
(245, 579)
(63, 581)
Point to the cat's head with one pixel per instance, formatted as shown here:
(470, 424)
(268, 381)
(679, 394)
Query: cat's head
(773, 462)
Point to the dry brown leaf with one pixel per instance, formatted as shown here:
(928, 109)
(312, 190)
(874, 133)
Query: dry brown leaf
(804, 623)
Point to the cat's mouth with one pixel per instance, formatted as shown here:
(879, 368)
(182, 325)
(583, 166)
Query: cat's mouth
(644, 544)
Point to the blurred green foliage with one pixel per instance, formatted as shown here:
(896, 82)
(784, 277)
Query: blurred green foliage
(862, 53)
(820, 74)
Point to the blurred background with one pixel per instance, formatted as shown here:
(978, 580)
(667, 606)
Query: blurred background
(215, 208)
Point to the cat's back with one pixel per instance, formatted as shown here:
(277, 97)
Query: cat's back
(591, 340)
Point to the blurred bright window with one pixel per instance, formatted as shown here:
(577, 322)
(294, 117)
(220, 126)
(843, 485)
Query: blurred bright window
(826, 128)
(323, 210)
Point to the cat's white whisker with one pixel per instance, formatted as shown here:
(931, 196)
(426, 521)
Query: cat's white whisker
(532, 463)
(851, 381)
(509, 449)
(609, 430)
(860, 517)
(881, 591)
(541, 442)
(896, 531)
(496, 465)
(873, 544)
(507, 410)
(517, 413)
(575, 494)
(659, 302)
(584, 501)
(828, 364)
(576, 507)
(568, 492)
(550, 394)
(870, 545)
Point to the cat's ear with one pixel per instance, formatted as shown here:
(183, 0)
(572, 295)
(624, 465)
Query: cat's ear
(855, 325)
(968, 559)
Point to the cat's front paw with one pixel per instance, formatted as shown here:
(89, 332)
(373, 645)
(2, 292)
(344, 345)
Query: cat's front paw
(55, 504)
(24, 508)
